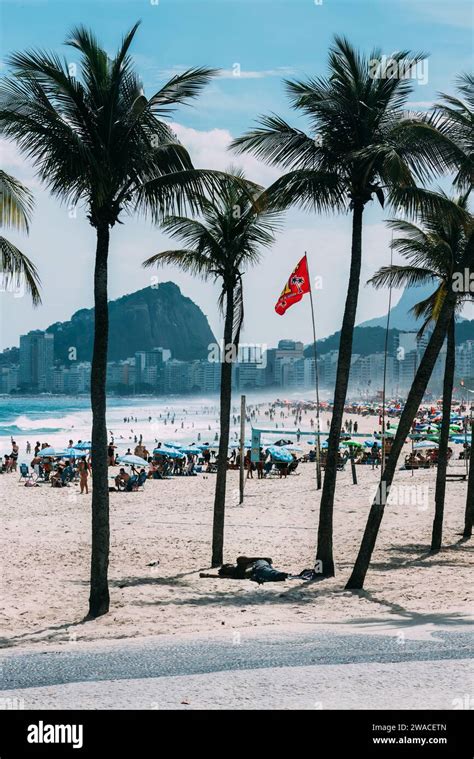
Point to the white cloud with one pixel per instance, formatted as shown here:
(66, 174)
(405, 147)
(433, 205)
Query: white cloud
(420, 104)
(237, 71)
(209, 150)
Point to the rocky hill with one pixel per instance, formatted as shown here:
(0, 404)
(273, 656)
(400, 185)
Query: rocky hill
(153, 317)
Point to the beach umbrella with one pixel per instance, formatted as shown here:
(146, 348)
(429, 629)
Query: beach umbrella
(84, 446)
(425, 444)
(171, 445)
(293, 448)
(172, 453)
(71, 453)
(74, 453)
(461, 439)
(352, 444)
(371, 443)
(236, 444)
(279, 454)
(132, 460)
(326, 444)
(190, 449)
(47, 452)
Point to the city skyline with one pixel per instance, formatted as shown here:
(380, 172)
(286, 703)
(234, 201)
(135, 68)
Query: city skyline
(285, 366)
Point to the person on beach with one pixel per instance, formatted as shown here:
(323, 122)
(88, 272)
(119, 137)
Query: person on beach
(248, 465)
(375, 456)
(14, 455)
(260, 464)
(28, 447)
(111, 453)
(84, 468)
(121, 479)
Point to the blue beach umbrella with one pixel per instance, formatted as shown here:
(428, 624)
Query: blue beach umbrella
(172, 453)
(47, 452)
(279, 454)
(132, 460)
(461, 439)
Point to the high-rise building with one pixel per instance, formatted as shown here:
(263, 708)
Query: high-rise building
(178, 376)
(465, 361)
(8, 379)
(286, 354)
(206, 376)
(36, 361)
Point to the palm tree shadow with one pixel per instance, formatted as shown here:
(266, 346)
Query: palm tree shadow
(405, 617)
(31, 636)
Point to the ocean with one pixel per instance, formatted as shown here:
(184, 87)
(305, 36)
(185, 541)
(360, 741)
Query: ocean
(57, 419)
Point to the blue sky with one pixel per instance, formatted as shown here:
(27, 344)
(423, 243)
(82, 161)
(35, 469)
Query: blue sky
(266, 40)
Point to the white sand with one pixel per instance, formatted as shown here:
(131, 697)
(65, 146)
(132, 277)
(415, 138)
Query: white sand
(46, 553)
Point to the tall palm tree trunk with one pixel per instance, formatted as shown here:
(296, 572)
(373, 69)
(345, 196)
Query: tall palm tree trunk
(225, 404)
(448, 382)
(415, 397)
(99, 592)
(324, 553)
(469, 514)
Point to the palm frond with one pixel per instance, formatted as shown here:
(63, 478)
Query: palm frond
(180, 89)
(16, 267)
(16, 203)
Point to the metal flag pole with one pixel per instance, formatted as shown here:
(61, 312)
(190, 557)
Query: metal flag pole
(243, 414)
(385, 365)
(316, 374)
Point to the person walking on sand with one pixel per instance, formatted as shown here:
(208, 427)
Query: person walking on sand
(28, 447)
(375, 456)
(84, 469)
(248, 465)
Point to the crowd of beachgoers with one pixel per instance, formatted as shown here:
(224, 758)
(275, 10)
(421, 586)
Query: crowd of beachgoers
(291, 422)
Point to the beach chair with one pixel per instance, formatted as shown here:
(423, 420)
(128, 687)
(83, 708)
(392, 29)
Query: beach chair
(25, 473)
(141, 479)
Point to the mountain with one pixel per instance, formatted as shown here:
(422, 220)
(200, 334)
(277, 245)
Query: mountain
(150, 318)
(368, 340)
(400, 316)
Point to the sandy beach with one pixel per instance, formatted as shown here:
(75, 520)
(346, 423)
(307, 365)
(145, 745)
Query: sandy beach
(160, 542)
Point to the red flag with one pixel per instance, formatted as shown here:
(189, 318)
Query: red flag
(297, 286)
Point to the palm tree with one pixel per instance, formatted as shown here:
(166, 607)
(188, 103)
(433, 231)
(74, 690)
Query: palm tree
(221, 246)
(16, 206)
(433, 252)
(454, 121)
(427, 203)
(97, 140)
(360, 148)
